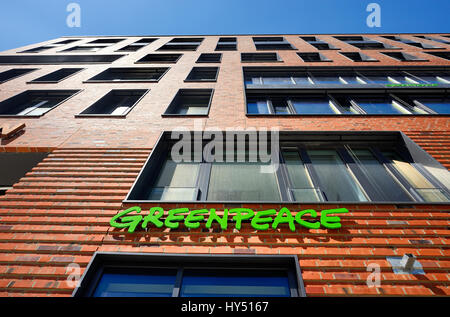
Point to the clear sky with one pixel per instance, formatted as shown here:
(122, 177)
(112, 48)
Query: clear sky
(25, 22)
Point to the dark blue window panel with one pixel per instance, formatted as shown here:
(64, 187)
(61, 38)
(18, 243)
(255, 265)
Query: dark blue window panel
(235, 283)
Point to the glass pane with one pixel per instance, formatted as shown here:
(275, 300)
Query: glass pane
(277, 81)
(258, 107)
(433, 194)
(297, 171)
(378, 176)
(159, 283)
(352, 80)
(280, 106)
(433, 77)
(326, 79)
(174, 175)
(242, 181)
(235, 283)
(194, 110)
(380, 105)
(313, 105)
(306, 194)
(334, 176)
(439, 104)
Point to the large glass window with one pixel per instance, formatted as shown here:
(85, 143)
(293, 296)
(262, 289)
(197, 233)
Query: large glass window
(334, 176)
(379, 105)
(439, 104)
(314, 105)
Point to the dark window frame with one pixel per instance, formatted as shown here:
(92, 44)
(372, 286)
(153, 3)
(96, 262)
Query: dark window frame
(407, 57)
(144, 60)
(59, 59)
(188, 92)
(322, 58)
(37, 81)
(135, 261)
(364, 58)
(20, 74)
(196, 69)
(260, 54)
(206, 55)
(99, 115)
(396, 141)
(31, 91)
(265, 43)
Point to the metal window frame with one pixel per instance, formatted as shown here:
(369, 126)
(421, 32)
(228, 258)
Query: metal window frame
(200, 69)
(174, 61)
(219, 60)
(26, 71)
(173, 104)
(110, 69)
(35, 81)
(179, 262)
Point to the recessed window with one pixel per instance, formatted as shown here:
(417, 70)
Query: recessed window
(182, 44)
(404, 57)
(203, 74)
(364, 43)
(34, 103)
(136, 74)
(209, 58)
(194, 102)
(160, 275)
(58, 59)
(351, 103)
(14, 73)
(260, 57)
(65, 42)
(159, 59)
(38, 49)
(272, 43)
(13, 166)
(358, 57)
(133, 47)
(319, 44)
(431, 38)
(314, 166)
(226, 44)
(106, 41)
(313, 57)
(57, 76)
(84, 48)
(117, 102)
(444, 55)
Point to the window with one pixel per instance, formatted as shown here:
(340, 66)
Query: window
(310, 167)
(313, 57)
(260, 57)
(209, 58)
(162, 275)
(272, 43)
(404, 57)
(57, 76)
(141, 74)
(106, 41)
(190, 102)
(203, 74)
(444, 55)
(409, 42)
(136, 45)
(117, 102)
(182, 44)
(38, 49)
(14, 73)
(363, 42)
(13, 166)
(350, 103)
(436, 39)
(65, 42)
(358, 57)
(226, 44)
(34, 103)
(58, 59)
(159, 58)
(319, 44)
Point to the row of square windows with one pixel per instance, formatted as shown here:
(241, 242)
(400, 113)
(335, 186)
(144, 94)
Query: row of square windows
(230, 43)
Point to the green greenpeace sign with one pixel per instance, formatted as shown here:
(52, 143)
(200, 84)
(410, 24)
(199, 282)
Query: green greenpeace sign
(261, 220)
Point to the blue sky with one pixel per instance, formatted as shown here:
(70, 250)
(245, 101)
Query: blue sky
(25, 22)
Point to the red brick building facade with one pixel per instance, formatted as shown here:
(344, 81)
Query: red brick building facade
(59, 212)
